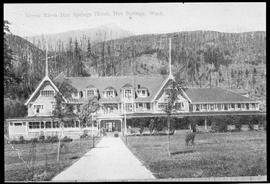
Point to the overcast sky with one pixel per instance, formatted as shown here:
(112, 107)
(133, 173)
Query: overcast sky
(32, 19)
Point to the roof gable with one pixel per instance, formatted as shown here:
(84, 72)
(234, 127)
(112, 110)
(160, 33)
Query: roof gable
(41, 84)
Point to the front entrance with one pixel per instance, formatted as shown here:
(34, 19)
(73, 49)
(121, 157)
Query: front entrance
(110, 126)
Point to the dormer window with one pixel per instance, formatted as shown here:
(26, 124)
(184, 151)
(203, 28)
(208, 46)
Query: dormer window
(109, 94)
(127, 93)
(90, 92)
(142, 92)
(47, 93)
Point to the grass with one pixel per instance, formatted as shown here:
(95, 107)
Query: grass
(213, 155)
(45, 166)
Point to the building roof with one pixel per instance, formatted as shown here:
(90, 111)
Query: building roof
(152, 82)
(200, 95)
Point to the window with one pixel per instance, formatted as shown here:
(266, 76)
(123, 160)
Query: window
(38, 106)
(253, 106)
(219, 107)
(47, 93)
(204, 107)
(162, 106)
(225, 107)
(48, 124)
(232, 106)
(239, 106)
(11, 124)
(128, 107)
(247, 106)
(109, 94)
(34, 125)
(142, 92)
(55, 124)
(179, 106)
(197, 107)
(18, 124)
(81, 94)
(77, 123)
(90, 92)
(212, 107)
(148, 106)
(42, 124)
(127, 93)
(69, 124)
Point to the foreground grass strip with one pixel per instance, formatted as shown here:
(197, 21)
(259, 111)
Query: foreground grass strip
(43, 162)
(214, 154)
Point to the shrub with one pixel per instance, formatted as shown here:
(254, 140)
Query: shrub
(66, 139)
(41, 138)
(220, 126)
(116, 135)
(151, 125)
(34, 140)
(21, 140)
(52, 139)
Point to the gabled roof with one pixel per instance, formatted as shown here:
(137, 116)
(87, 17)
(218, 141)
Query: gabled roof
(127, 86)
(46, 78)
(153, 82)
(201, 95)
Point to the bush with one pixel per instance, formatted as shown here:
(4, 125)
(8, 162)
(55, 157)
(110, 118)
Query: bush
(66, 139)
(116, 134)
(34, 140)
(41, 138)
(21, 140)
(220, 126)
(52, 139)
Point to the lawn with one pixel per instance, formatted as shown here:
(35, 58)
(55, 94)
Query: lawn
(213, 155)
(44, 159)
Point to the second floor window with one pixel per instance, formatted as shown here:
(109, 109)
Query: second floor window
(127, 93)
(109, 94)
(90, 92)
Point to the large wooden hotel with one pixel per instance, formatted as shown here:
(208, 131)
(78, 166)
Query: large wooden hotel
(121, 98)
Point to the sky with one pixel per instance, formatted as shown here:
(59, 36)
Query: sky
(138, 18)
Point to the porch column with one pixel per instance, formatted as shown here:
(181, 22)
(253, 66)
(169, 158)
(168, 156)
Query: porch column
(205, 124)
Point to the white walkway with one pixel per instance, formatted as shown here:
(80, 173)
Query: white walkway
(110, 160)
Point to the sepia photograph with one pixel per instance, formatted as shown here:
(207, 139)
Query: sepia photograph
(105, 92)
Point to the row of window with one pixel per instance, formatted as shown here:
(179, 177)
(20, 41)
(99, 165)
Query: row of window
(47, 93)
(204, 107)
(54, 124)
(111, 93)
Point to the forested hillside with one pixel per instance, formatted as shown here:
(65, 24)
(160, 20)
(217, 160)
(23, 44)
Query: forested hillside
(202, 58)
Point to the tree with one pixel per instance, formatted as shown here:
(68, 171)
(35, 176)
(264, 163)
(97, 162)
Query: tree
(59, 113)
(87, 111)
(9, 77)
(174, 89)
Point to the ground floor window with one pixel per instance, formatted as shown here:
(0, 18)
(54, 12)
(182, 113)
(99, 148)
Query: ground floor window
(162, 106)
(197, 107)
(55, 124)
(226, 107)
(239, 106)
(232, 106)
(34, 125)
(148, 106)
(69, 124)
(48, 124)
(212, 107)
(219, 107)
(247, 106)
(204, 107)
